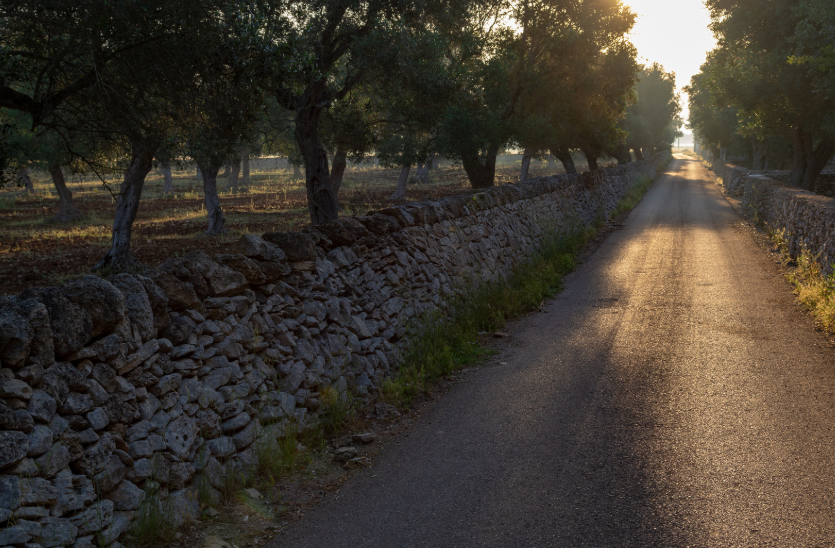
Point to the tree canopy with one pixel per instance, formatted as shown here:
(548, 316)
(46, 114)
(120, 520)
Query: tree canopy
(773, 69)
(129, 85)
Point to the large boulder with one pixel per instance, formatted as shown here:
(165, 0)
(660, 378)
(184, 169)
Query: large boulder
(344, 231)
(71, 325)
(25, 333)
(181, 295)
(298, 246)
(380, 224)
(105, 304)
(246, 266)
(226, 282)
(139, 308)
(158, 300)
(255, 247)
(191, 270)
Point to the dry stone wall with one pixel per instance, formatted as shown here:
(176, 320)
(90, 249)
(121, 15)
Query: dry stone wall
(807, 218)
(113, 390)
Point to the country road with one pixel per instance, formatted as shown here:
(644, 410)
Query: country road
(673, 395)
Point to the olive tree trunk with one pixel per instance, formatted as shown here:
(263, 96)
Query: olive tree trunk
(67, 212)
(400, 193)
(297, 172)
(526, 165)
(26, 180)
(591, 158)
(481, 174)
(340, 162)
(245, 168)
(168, 180)
(119, 257)
(564, 156)
(639, 154)
(809, 160)
(321, 199)
(213, 209)
(232, 179)
(422, 174)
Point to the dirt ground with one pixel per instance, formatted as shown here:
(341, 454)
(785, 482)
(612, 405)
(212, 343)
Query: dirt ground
(35, 252)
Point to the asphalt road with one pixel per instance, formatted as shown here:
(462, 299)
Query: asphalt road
(673, 395)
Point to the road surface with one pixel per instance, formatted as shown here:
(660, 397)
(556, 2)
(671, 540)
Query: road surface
(673, 395)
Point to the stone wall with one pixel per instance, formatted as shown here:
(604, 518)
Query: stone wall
(114, 389)
(807, 218)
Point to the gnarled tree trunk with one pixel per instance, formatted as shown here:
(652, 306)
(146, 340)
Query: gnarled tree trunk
(297, 172)
(67, 212)
(639, 154)
(245, 168)
(213, 209)
(526, 165)
(119, 257)
(321, 199)
(232, 179)
(760, 156)
(422, 174)
(622, 155)
(591, 158)
(26, 180)
(481, 175)
(809, 160)
(340, 162)
(168, 180)
(400, 193)
(564, 156)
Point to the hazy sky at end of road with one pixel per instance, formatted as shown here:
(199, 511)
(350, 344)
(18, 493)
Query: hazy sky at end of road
(674, 33)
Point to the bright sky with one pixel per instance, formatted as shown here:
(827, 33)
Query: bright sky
(675, 34)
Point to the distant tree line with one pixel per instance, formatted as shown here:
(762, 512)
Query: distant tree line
(768, 90)
(129, 86)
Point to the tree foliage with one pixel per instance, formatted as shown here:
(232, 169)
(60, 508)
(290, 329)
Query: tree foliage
(773, 69)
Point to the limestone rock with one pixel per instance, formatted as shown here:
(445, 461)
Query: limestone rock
(182, 506)
(16, 534)
(127, 496)
(98, 418)
(53, 461)
(221, 447)
(180, 475)
(225, 282)
(40, 440)
(14, 446)
(9, 492)
(96, 456)
(180, 435)
(256, 247)
(94, 518)
(139, 310)
(246, 266)
(297, 246)
(104, 303)
(181, 295)
(37, 491)
(344, 231)
(13, 388)
(158, 300)
(56, 532)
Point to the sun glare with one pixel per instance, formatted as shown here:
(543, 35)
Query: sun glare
(674, 33)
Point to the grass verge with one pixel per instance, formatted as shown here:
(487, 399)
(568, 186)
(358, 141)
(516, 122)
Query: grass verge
(447, 343)
(814, 289)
